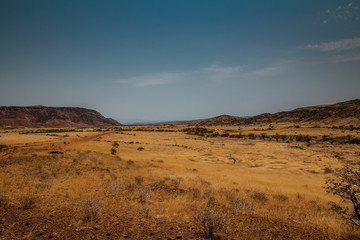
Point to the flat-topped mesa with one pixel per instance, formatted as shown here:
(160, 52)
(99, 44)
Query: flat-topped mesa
(52, 117)
(343, 113)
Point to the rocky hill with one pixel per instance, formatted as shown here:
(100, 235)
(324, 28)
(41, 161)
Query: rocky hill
(52, 117)
(343, 113)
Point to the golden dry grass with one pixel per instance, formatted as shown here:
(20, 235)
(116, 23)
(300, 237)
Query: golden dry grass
(180, 172)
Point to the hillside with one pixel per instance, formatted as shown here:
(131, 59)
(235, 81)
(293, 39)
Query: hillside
(343, 113)
(52, 117)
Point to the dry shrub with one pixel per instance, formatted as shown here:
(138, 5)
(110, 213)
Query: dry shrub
(280, 197)
(211, 220)
(139, 180)
(209, 196)
(259, 196)
(242, 205)
(115, 144)
(113, 151)
(146, 210)
(176, 181)
(4, 200)
(195, 192)
(203, 182)
(143, 194)
(116, 189)
(130, 187)
(28, 201)
(231, 195)
(130, 162)
(315, 206)
(92, 208)
(237, 202)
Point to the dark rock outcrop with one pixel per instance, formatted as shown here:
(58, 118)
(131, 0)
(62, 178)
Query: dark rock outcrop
(52, 117)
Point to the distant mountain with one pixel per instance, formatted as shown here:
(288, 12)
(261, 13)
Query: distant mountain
(343, 113)
(52, 117)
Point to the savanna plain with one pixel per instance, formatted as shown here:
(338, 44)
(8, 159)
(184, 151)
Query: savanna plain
(173, 182)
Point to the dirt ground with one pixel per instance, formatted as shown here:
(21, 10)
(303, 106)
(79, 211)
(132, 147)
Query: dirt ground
(148, 182)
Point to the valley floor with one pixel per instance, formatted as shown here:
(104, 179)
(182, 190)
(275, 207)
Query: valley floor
(150, 182)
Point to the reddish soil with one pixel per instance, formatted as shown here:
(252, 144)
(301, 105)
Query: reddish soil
(32, 224)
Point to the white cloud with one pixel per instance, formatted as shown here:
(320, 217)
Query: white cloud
(213, 73)
(218, 74)
(345, 44)
(345, 12)
(276, 68)
(346, 58)
(223, 70)
(161, 78)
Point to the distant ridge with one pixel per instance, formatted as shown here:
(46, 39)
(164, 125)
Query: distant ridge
(52, 117)
(343, 113)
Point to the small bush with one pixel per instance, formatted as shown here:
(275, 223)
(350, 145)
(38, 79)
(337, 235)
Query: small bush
(28, 201)
(116, 189)
(140, 149)
(113, 151)
(92, 208)
(139, 180)
(130, 187)
(115, 144)
(4, 200)
(143, 194)
(280, 197)
(195, 192)
(259, 196)
(211, 220)
(209, 196)
(2, 147)
(242, 205)
(129, 162)
(175, 182)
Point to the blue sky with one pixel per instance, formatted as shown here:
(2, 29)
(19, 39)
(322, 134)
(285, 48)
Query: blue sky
(179, 59)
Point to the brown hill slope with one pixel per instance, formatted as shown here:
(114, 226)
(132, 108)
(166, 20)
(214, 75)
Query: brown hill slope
(342, 113)
(52, 117)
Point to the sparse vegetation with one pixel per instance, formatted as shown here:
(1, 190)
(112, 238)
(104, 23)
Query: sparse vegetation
(115, 144)
(346, 185)
(177, 175)
(28, 201)
(139, 180)
(280, 197)
(113, 151)
(259, 196)
(211, 220)
(4, 200)
(92, 208)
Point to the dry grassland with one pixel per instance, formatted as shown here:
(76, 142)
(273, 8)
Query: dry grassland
(72, 185)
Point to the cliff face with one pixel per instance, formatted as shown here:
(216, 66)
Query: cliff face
(337, 114)
(52, 117)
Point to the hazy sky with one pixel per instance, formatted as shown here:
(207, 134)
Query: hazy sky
(179, 59)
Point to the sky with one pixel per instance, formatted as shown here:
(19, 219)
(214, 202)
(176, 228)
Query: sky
(161, 60)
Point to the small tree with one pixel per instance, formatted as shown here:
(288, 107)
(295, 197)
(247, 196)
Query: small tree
(113, 151)
(346, 185)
